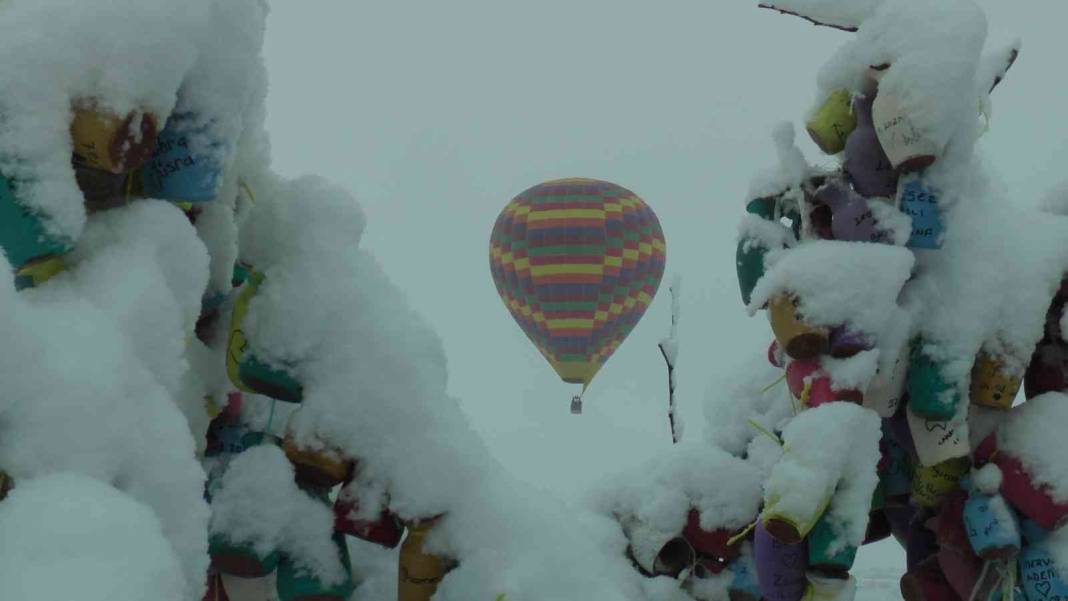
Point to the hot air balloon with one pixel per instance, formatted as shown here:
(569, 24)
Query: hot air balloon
(577, 262)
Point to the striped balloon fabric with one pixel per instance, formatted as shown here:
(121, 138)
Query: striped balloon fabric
(577, 262)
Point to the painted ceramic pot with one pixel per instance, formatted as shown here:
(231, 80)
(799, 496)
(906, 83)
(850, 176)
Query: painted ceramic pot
(813, 387)
(749, 261)
(247, 371)
(932, 484)
(832, 122)
(851, 217)
(710, 543)
(908, 146)
(419, 572)
(886, 391)
(103, 140)
(825, 554)
(317, 468)
(296, 583)
(1046, 372)
(865, 162)
(920, 203)
(993, 385)
(799, 339)
(385, 529)
(743, 585)
(780, 567)
(102, 189)
(1019, 488)
(30, 248)
(926, 582)
(187, 164)
(240, 559)
(992, 526)
(931, 395)
(846, 342)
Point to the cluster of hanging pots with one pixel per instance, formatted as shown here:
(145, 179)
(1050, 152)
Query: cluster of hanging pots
(118, 159)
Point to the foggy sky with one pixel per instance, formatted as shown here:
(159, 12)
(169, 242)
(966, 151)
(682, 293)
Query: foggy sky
(436, 114)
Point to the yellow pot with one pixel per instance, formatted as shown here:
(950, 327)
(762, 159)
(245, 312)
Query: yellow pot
(799, 339)
(103, 140)
(932, 484)
(419, 572)
(321, 468)
(832, 123)
(993, 385)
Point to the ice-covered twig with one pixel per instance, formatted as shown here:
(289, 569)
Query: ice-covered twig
(669, 348)
(1002, 61)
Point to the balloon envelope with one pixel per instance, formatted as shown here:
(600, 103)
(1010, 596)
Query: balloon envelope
(577, 262)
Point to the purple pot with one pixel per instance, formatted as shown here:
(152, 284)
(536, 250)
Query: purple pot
(867, 165)
(852, 219)
(846, 342)
(897, 428)
(921, 542)
(900, 518)
(780, 567)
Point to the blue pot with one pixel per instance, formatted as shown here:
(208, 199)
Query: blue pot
(185, 166)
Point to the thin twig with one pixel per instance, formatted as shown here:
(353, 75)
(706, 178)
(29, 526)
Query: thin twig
(807, 18)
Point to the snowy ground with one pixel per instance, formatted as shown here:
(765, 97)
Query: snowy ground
(878, 570)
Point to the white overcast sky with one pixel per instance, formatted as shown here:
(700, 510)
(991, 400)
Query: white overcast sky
(436, 113)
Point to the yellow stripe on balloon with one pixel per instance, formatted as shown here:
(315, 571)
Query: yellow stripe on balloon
(615, 309)
(645, 298)
(521, 264)
(645, 248)
(613, 261)
(630, 253)
(613, 207)
(570, 324)
(506, 258)
(566, 214)
(540, 270)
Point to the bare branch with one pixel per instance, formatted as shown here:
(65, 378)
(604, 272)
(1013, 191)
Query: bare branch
(805, 17)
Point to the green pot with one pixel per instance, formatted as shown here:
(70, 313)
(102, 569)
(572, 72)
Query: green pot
(820, 539)
(22, 234)
(239, 559)
(247, 372)
(298, 584)
(762, 207)
(750, 264)
(931, 396)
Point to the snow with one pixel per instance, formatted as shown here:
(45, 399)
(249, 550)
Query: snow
(68, 536)
(844, 283)
(987, 479)
(94, 387)
(791, 170)
(1033, 433)
(258, 503)
(725, 489)
(42, 80)
(830, 450)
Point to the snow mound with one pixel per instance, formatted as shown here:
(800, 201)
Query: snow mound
(67, 536)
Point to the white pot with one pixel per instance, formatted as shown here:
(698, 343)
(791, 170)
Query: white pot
(903, 141)
(886, 390)
(656, 551)
(937, 441)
